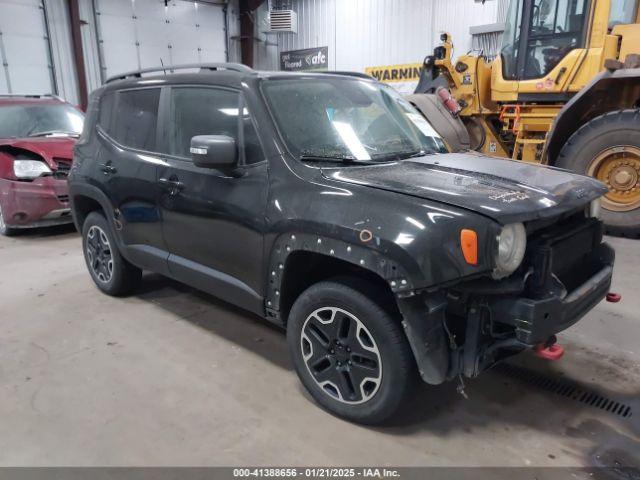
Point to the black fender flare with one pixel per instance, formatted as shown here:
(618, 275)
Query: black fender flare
(422, 316)
(392, 272)
(94, 193)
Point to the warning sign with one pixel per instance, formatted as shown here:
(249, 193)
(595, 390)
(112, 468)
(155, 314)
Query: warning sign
(395, 73)
(403, 77)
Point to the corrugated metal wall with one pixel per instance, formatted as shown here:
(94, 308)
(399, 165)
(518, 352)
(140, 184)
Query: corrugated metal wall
(52, 40)
(359, 33)
(35, 48)
(90, 50)
(456, 16)
(61, 49)
(489, 43)
(364, 33)
(370, 32)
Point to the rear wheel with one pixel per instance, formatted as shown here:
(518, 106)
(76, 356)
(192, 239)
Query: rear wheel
(349, 352)
(4, 229)
(608, 148)
(109, 270)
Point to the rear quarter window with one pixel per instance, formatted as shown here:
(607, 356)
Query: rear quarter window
(135, 118)
(105, 110)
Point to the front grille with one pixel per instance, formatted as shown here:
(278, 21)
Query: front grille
(63, 198)
(63, 166)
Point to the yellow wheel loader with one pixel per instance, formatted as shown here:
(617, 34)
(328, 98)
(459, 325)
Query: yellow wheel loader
(564, 90)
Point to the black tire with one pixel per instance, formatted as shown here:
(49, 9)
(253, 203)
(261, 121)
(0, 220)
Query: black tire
(109, 270)
(619, 128)
(380, 392)
(4, 229)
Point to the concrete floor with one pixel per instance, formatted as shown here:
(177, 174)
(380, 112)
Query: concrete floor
(174, 377)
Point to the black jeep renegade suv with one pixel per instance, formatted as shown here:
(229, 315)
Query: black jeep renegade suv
(326, 204)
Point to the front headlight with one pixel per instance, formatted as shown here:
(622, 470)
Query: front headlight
(29, 168)
(593, 210)
(512, 243)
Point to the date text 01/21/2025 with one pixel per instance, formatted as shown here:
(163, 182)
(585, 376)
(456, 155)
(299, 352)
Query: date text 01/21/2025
(316, 472)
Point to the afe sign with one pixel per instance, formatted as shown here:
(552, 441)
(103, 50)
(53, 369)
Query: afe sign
(307, 59)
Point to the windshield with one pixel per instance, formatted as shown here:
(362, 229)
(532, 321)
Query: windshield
(32, 120)
(348, 119)
(510, 40)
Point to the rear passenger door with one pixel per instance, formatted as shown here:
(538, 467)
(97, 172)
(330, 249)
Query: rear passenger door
(127, 171)
(213, 224)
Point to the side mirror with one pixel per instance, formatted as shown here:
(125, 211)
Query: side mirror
(214, 151)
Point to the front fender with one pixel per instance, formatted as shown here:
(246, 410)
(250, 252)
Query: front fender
(411, 243)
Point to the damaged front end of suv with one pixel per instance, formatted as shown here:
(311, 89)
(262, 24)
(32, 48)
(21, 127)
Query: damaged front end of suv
(565, 271)
(494, 290)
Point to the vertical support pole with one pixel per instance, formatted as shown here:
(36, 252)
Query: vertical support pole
(5, 64)
(247, 25)
(101, 62)
(225, 11)
(51, 66)
(78, 53)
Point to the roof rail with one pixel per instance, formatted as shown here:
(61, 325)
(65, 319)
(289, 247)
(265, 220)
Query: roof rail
(347, 74)
(28, 95)
(236, 67)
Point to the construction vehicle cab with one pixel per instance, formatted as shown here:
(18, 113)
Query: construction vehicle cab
(560, 49)
(563, 90)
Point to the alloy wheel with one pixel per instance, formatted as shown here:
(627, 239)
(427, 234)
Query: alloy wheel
(99, 254)
(341, 355)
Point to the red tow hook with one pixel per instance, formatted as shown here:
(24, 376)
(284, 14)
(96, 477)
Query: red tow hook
(613, 297)
(551, 352)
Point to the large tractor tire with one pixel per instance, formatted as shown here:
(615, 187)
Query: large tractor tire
(608, 148)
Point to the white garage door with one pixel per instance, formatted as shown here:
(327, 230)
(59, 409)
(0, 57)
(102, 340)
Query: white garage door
(135, 34)
(24, 48)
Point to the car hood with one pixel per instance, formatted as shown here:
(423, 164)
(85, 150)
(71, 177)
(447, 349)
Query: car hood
(505, 190)
(46, 147)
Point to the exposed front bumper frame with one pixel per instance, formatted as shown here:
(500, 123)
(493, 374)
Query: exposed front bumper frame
(535, 320)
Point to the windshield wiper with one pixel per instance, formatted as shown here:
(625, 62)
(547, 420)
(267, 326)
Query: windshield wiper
(329, 158)
(419, 153)
(53, 132)
(388, 157)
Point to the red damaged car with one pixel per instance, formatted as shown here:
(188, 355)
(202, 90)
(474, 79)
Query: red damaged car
(37, 135)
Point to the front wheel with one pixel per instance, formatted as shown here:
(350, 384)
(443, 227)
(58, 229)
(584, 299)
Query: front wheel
(608, 148)
(349, 352)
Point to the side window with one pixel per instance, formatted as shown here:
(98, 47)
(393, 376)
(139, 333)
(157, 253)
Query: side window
(200, 111)
(105, 111)
(136, 118)
(252, 149)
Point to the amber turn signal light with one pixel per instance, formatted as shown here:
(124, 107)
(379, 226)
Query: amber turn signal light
(469, 245)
